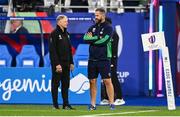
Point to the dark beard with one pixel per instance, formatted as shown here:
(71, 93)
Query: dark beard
(98, 21)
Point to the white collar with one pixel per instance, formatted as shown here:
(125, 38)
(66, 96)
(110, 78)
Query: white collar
(17, 28)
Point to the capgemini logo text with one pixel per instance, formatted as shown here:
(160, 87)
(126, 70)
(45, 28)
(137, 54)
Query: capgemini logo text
(18, 85)
(79, 85)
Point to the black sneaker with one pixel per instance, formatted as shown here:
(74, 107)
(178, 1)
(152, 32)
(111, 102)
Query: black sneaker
(68, 107)
(56, 107)
(91, 107)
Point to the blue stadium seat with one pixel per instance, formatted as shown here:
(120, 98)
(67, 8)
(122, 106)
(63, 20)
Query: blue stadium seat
(47, 62)
(3, 2)
(28, 57)
(5, 57)
(81, 56)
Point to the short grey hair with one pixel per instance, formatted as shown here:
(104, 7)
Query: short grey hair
(12, 21)
(59, 17)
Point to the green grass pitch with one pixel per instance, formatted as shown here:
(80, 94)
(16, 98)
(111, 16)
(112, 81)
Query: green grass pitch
(46, 110)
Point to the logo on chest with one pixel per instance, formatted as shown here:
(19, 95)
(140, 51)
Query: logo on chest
(101, 33)
(60, 37)
(93, 30)
(102, 30)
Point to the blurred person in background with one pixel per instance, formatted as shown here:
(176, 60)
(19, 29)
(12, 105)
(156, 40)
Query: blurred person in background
(118, 99)
(17, 27)
(26, 5)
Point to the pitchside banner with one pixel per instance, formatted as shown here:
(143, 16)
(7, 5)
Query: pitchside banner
(168, 79)
(155, 41)
(33, 85)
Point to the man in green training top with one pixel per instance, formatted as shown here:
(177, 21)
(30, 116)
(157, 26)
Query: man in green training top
(100, 53)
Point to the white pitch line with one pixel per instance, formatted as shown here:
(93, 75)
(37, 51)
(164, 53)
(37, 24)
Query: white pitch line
(122, 113)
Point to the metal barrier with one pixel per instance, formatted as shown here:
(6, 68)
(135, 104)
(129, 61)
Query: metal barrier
(109, 6)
